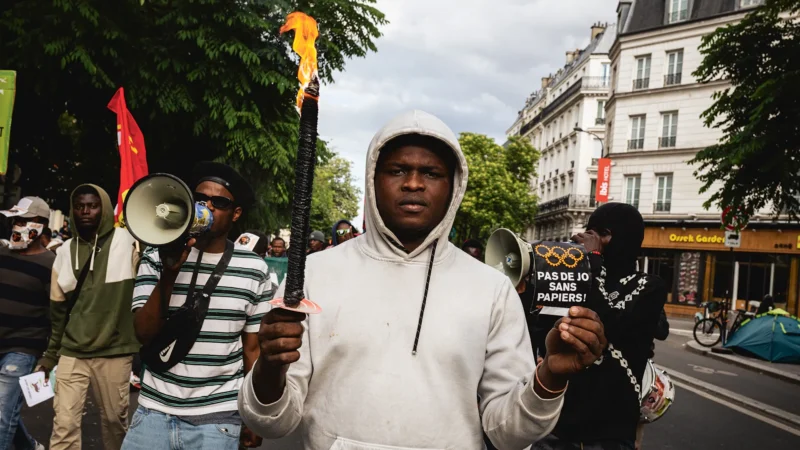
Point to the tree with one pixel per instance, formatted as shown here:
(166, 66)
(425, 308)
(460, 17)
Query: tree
(757, 161)
(208, 80)
(335, 196)
(499, 192)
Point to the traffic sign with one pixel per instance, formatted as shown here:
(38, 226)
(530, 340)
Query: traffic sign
(733, 239)
(737, 222)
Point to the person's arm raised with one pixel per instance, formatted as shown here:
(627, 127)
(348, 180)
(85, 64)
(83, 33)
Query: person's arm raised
(148, 320)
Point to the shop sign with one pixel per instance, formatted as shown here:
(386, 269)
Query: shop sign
(697, 238)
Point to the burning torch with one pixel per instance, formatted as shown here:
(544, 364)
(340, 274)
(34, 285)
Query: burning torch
(305, 35)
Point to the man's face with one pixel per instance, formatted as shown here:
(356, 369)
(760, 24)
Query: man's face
(278, 247)
(315, 245)
(344, 232)
(32, 235)
(223, 217)
(412, 190)
(475, 253)
(88, 210)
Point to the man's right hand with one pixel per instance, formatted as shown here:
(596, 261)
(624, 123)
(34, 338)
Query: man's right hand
(280, 338)
(173, 258)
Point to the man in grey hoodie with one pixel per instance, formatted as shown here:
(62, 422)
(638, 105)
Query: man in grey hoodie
(414, 328)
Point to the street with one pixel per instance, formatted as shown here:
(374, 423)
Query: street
(697, 420)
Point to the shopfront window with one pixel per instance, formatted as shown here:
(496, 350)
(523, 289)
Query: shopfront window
(662, 264)
(690, 275)
(754, 276)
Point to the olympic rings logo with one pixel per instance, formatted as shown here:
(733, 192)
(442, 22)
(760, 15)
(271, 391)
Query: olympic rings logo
(556, 256)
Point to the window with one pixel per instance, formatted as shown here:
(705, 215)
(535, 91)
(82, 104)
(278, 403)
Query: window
(749, 3)
(642, 80)
(637, 133)
(633, 184)
(669, 132)
(674, 68)
(592, 198)
(663, 193)
(678, 10)
(600, 118)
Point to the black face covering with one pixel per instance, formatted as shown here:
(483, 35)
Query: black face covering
(627, 233)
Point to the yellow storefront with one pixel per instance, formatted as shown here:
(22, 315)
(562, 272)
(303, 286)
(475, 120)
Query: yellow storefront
(698, 267)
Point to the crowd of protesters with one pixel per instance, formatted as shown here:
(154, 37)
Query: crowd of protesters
(221, 367)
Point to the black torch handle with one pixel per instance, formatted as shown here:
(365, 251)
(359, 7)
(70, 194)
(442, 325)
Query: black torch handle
(301, 206)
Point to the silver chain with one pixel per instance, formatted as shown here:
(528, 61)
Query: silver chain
(601, 284)
(616, 354)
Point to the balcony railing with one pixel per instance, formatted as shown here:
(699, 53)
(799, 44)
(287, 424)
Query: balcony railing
(667, 142)
(595, 161)
(595, 82)
(672, 79)
(641, 83)
(600, 121)
(662, 206)
(636, 144)
(566, 202)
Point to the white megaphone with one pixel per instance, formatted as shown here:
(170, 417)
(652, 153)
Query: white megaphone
(509, 254)
(159, 210)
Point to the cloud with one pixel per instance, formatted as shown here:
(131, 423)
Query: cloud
(470, 62)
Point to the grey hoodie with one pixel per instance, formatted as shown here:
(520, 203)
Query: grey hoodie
(359, 386)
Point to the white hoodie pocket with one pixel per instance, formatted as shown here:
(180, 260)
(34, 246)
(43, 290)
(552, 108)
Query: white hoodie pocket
(349, 444)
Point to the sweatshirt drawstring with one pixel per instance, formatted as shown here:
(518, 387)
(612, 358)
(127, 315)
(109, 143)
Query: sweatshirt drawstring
(424, 298)
(94, 250)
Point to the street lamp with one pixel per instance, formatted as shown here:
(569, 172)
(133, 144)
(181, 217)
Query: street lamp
(602, 145)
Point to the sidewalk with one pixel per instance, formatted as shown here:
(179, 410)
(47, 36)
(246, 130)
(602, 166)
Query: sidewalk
(786, 372)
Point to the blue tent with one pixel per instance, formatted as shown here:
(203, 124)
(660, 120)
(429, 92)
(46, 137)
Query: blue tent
(774, 336)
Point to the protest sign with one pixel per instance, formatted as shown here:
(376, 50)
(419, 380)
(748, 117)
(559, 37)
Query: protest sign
(561, 277)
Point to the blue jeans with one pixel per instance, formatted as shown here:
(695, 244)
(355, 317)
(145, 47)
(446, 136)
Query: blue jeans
(152, 430)
(12, 367)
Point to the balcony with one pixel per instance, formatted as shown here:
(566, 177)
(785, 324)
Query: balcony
(662, 206)
(567, 202)
(672, 79)
(667, 142)
(600, 121)
(636, 144)
(641, 83)
(595, 82)
(595, 161)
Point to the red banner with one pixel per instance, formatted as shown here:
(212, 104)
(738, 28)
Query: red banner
(603, 179)
(133, 158)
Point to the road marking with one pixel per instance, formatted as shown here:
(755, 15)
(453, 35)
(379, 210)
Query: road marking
(688, 333)
(738, 408)
(710, 371)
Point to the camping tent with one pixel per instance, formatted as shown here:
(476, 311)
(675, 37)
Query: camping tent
(774, 336)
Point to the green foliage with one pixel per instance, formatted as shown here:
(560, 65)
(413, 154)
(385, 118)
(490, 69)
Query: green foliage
(757, 161)
(499, 192)
(335, 196)
(205, 80)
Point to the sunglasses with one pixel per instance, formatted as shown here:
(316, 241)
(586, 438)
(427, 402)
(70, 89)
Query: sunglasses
(217, 201)
(344, 231)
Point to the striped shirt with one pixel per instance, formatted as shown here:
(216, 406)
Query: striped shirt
(24, 301)
(208, 379)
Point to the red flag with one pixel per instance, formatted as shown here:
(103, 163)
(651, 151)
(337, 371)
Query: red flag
(133, 157)
(603, 179)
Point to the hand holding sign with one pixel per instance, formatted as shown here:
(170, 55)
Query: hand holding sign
(575, 343)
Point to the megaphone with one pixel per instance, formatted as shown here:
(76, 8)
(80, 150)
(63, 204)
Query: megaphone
(160, 210)
(509, 254)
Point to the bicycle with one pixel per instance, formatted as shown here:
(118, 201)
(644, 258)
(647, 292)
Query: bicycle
(708, 331)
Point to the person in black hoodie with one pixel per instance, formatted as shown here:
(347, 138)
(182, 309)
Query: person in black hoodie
(601, 407)
(342, 232)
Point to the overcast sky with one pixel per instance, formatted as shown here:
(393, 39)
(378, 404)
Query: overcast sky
(470, 62)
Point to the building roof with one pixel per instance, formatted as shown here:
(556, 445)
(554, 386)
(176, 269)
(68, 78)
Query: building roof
(651, 14)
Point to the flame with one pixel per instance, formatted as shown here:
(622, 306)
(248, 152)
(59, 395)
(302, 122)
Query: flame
(305, 35)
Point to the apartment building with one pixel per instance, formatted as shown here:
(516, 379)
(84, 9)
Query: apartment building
(653, 129)
(574, 98)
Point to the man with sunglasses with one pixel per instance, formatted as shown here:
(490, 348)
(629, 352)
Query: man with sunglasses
(342, 232)
(193, 403)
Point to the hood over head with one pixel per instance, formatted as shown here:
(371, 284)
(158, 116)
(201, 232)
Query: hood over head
(380, 240)
(106, 216)
(627, 233)
(335, 238)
